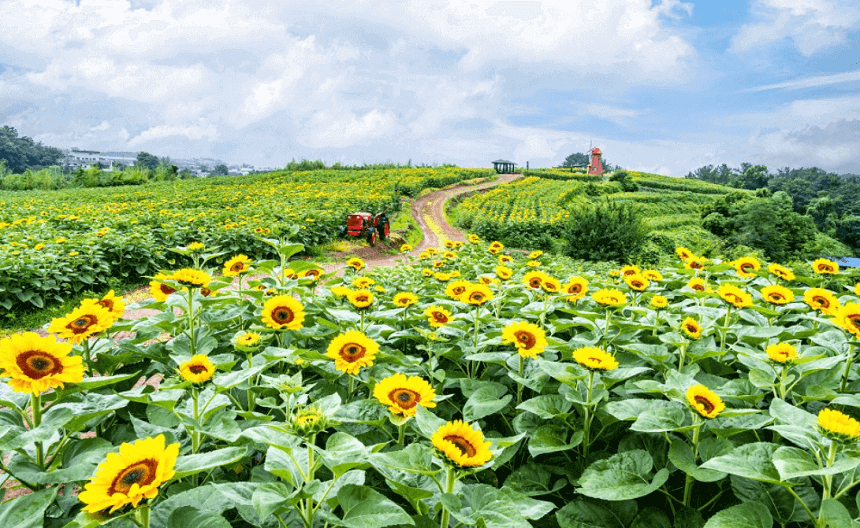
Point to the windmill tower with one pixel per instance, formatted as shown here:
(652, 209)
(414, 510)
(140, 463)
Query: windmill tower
(595, 167)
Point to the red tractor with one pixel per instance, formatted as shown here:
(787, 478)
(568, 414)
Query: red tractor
(367, 226)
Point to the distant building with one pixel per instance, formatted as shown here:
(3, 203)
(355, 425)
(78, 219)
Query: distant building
(504, 166)
(75, 158)
(595, 167)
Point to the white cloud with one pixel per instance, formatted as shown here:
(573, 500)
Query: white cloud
(810, 82)
(812, 25)
(164, 131)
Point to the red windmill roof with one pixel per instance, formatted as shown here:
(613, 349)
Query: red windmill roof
(596, 150)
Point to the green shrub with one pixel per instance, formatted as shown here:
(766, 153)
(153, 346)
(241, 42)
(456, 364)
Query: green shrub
(604, 230)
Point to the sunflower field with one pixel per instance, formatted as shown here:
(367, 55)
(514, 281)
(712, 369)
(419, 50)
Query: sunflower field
(56, 243)
(469, 386)
(531, 212)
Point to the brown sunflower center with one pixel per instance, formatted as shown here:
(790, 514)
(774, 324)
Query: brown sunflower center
(362, 298)
(691, 328)
(854, 320)
(820, 302)
(535, 283)
(197, 369)
(82, 323)
(550, 287)
(747, 268)
(526, 338)
(732, 298)
(596, 360)
(458, 290)
(283, 315)
(404, 398)
(575, 289)
(106, 303)
(439, 317)
(140, 473)
(776, 297)
(699, 287)
(237, 267)
(352, 352)
(825, 268)
(36, 364)
(696, 265)
(166, 290)
(462, 444)
(476, 297)
(704, 402)
(636, 284)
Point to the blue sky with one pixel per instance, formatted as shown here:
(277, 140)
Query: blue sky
(664, 86)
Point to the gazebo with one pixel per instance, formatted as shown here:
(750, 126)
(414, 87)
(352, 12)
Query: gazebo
(504, 166)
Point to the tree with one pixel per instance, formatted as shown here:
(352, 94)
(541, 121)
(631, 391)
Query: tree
(147, 160)
(604, 230)
(22, 153)
(220, 170)
(573, 160)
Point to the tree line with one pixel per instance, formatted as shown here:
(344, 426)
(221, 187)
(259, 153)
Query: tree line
(800, 200)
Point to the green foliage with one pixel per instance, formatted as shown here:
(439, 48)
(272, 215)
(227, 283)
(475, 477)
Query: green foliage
(626, 181)
(604, 230)
(22, 153)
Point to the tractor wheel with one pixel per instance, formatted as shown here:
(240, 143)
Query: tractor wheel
(383, 229)
(371, 237)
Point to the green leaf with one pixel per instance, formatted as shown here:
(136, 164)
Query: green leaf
(661, 419)
(27, 511)
(344, 452)
(533, 480)
(752, 461)
(487, 506)
(583, 513)
(651, 518)
(792, 462)
(191, 464)
(835, 515)
(551, 438)
(271, 497)
(484, 402)
(414, 458)
(623, 476)
(631, 408)
(681, 454)
(548, 406)
(211, 498)
(190, 517)
(744, 515)
(427, 422)
(783, 507)
(366, 508)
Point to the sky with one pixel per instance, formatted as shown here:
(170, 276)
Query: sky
(661, 86)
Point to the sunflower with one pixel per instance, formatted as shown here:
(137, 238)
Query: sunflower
(734, 296)
(477, 294)
(427, 272)
(405, 299)
(504, 272)
(683, 253)
(782, 352)
(405, 248)
(363, 282)
(747, 266)
(652, 275)
(529, 339)
(37, 363)
(505, 259)
(313, 273)
(487, 280)
(236, 265)
(351, 351)
(659, 302)
(360, 298)
(698, 284)
(823, 266)
(461, 444)
(575, 288)
(355, 263)
(498, 246)
(437, 316)
(776, 294)
(402, 395)
(438, 264)
(133, 474)
(533, 264)
(195, 246)
(848, 317)
(450, 255)
(691, 328)
(442, 277)
(158, 289)
(781, 271)
(456, 289)
(308, 420)
(696, 263)
(609, 297)
(837, 425)
(474, 239)
(458, 244)
(535, 254)
(534, 279)
(629, 270)
(339, 291)
(704, 401)
(822, 300)
(550, 284)
(283, 312)
(432, 251)
(84, 321)
(594, 358)
(636, 281)
(197, 369)
(115, 305)
(449, 244)
(247, 339)
(493, 250)
(191, 278)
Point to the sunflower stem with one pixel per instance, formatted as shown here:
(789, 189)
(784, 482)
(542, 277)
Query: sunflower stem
(142, 516)
(689, 480)
(828, 479)
(361, 328)
(586, 425)
(192, 347)
(351, 388)
(36, 407)
(401, 430)
(519, 384)
(683, 355)
(87, 355)
(606, 324)
(723, 331)
(195, 434)
(449, 488)
(847, 367)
